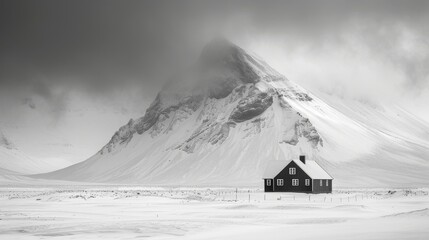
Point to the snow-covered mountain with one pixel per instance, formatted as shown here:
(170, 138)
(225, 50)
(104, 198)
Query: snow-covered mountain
(58, 132)
(222, 121)
(14, 162)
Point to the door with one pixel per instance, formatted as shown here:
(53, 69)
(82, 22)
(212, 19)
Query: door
(269, 185)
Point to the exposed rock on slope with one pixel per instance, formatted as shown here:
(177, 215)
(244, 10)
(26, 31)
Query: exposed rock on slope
(223, 121)
(251, 106)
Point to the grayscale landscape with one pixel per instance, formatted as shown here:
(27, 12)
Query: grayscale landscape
(214, 120)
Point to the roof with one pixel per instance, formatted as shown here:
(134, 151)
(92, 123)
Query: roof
(311, 168)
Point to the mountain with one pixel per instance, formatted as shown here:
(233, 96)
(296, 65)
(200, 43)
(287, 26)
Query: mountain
(52, 128)
(14, 162)
(222, 121)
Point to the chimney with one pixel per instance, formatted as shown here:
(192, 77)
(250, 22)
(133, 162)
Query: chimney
(302, 158)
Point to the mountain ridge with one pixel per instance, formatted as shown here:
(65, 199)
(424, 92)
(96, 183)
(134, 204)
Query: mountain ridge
(13, 161)
(223, 122)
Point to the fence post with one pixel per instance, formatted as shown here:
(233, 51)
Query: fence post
(264, 197)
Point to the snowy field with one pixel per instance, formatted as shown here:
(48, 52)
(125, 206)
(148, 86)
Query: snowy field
(106, 212)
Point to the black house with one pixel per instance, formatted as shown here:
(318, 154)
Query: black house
(301, 175)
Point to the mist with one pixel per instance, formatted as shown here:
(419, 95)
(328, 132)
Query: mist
(64, 55)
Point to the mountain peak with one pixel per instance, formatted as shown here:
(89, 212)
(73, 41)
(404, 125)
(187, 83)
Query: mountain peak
(219, 49)
(227, 57)
(224, 120)
(221, 41)
(233, 62)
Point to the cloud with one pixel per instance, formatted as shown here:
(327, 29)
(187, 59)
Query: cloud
(362, 49)
(363, 61)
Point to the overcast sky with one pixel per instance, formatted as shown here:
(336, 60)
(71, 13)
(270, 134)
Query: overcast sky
(376, 51)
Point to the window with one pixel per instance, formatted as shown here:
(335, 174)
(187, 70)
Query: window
(280, 182)
(327, 182)
(321, 182)
(307, 182)
(268, 182)
(295, 182)
(292, 171)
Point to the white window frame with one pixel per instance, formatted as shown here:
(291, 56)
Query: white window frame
(292, 171)
(295, 182)
(280, 182)
(327, 183)
(307, 182)
(268, 182)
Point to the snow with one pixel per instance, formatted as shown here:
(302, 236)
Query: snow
(360, 145)
(311, 168)
(14, 160)
(70, 134)
(129, 212)
(274, 168)
(363, 144)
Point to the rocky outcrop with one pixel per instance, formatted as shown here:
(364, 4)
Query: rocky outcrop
(221, 133)
(123, 135)
(230, 87)
(176, 113)
(222, 120)
(293, 94)
(212, 132)
(251, 106)
(155, 114)
(304, 128)
(284, 104)
(150, 117)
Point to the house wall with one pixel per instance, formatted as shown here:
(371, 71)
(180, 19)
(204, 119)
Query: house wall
(268, 188)
(322, 189)
(300, 175)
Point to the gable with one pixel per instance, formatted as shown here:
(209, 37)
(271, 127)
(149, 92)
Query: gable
(311, 168)
(299, 171)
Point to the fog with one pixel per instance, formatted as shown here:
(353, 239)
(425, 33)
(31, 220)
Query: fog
(119, 53)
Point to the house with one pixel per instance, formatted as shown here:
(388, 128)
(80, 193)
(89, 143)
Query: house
(301, 175)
